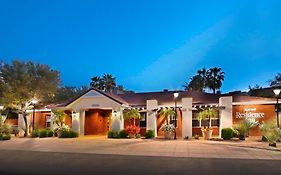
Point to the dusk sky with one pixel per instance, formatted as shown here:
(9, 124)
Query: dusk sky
(148, 45)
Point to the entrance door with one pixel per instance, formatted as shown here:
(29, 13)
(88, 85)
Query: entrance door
(96, 121)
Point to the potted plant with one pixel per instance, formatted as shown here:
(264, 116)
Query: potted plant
(130, 114)
(168, 128)
(206, 115)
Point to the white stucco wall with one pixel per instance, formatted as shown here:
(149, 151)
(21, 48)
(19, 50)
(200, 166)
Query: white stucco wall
(187, 117)
(117, 120)
(76, 122)
(151, 115)
(226, 113)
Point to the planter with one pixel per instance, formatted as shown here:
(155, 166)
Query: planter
(207, 133)
(241, 137)
(168, 135)
(272, 144)
(59, 133)
(131, 135)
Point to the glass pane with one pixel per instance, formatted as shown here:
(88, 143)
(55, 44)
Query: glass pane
(195, 123)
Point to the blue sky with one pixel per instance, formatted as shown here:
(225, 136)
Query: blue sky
(148, 45)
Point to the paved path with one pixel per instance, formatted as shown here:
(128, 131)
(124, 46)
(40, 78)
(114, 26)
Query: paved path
(15, 162)
(139, 147)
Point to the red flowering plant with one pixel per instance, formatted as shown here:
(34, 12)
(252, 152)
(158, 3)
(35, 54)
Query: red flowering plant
(132, 130)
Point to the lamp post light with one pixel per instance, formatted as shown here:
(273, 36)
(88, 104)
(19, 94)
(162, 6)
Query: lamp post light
(33, 102)
(277, 92)
(176, 95)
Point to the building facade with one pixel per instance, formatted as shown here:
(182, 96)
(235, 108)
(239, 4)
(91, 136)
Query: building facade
(96, 112)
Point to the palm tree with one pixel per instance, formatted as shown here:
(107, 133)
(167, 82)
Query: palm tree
(109, 82)
(59, 117)
(132, 114)
(207, 113)
(97, 82)
(196, 83)
(276, 81)
(203, 73)
(167, 113)
(215, 77)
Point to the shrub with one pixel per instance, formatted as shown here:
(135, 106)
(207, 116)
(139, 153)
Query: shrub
(244, 128)
(132, 129)
(34, 134)
(72, 134)
(5, 129)
(138, 136)
(116, 134)
(149, 134)
(65, 133)
(5, 136)
(43, 133)
(270, 131)
(123, 134)
(227, 133)
(110, 134)
(50, 133)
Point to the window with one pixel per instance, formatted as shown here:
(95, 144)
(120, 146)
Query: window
(172, 121)
(195, 123)
(48, 121)
(143, 120)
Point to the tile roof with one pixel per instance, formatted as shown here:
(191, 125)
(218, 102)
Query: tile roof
(139, 99)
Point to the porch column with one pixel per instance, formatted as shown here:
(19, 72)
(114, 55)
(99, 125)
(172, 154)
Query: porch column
(21, 125)
(225, 113)
(76, 122)
(151, 120)
(187, 117)
(82, 122)
(117, 120)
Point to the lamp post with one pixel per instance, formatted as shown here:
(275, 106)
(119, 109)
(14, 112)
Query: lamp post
(1, 108)
(33, 102)
(176, 95)
(277, 92)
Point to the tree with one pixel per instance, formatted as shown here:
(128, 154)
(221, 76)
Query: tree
(211, 78)
(68, 92)
(59, 118)
(167, 114)
(132, 114)
(196, 84)
(97, 82)
(207, 113)
(215, 77)
(109, 82)
(276, 80)
(24, 81)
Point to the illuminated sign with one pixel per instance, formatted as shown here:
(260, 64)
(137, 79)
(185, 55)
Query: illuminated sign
(250, 113)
